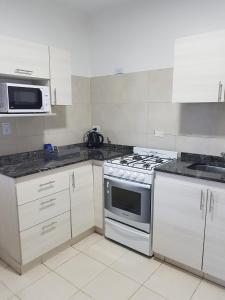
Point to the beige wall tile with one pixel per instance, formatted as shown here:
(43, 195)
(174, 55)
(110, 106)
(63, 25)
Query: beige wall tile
(137, 87)
(81, 89)
(108, 89)
(163, 117)
(160, 85)
(167, 142)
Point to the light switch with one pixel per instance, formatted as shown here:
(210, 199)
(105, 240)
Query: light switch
(159, 133)
(6, 129)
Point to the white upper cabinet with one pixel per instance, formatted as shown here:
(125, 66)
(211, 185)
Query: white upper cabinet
(22, 58)
(199, 68)
(60, 69)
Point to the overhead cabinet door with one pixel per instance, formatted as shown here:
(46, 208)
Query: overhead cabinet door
(25, 59)
(199, 68)
(60, 69)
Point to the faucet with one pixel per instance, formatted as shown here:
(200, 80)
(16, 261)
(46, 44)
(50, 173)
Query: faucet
(223, 155)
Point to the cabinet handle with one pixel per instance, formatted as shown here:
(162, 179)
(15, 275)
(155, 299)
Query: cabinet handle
(220, 92)
(201, 200)
(47, 183)
(211, 203)
(55, 96)
(22, 71)
(73, 183)
(47, 204)
(48, 228)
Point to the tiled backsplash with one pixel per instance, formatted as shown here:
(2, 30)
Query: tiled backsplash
(131, 107)
(67, 127)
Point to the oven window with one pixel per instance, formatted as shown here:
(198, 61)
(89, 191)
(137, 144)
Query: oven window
(24, 98)
(126, 200)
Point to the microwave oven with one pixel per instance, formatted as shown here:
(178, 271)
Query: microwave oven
(22, 98)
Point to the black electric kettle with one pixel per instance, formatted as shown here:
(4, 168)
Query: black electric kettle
(93, 139)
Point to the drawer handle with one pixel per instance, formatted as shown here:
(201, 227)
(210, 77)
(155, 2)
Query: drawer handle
(47, 206)
(48, 201)
(48, 230)
(47, 183)
(22, 71)
(46, 188)
(49, 225)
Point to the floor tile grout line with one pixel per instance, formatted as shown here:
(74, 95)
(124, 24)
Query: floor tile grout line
(160, 264)
(135, 292)
(20, 290)
(196, 289)
(51, 269)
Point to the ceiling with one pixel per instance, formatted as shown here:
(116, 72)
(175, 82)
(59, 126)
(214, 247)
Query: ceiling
(93, 6)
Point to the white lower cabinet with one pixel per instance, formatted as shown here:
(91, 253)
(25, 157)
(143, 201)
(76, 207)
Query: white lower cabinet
(214, 250)
(98, 195)
(189, 222)
(45, 237)
(81, 192)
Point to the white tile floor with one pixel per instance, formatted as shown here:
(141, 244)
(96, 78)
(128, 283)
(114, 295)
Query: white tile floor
(96, 268)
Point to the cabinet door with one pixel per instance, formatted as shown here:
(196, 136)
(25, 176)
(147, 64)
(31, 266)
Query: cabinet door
(98, 195)
(23, 58)
(214, 251)
(199, 67)
(179, 220)
(82, 206)
(60, 69)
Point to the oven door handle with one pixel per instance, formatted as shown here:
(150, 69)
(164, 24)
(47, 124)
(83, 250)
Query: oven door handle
(136, 184)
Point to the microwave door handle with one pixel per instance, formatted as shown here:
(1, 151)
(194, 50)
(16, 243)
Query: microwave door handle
(125, 182)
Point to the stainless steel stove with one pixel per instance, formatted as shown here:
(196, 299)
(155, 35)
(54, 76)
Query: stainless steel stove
(129, 197)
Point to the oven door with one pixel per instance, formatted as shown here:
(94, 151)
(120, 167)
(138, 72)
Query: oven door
(128, 202)
(25, 99)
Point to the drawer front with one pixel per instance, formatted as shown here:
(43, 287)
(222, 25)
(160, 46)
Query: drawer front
(45, 237)
(40, 210)
(42, 186)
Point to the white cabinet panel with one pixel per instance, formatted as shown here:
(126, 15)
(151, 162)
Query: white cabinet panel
(82, 207)
(22, 58)
(60, 69)
(179, 220)
(40, 210)
(98, 195)
(45, 237)
(41, 186)
(214, 251)
(199, 68)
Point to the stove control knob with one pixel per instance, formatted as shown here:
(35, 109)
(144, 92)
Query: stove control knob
(141, 177)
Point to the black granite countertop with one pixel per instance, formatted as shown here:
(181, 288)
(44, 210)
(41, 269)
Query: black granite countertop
(23, 164)
(181, 166)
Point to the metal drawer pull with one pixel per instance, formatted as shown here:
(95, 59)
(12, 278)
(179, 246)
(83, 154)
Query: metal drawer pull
(55, 96)
(220, 92)
(201, 200)
(47, 206)
(211, 203)
(22, 71)
(49, 225)
(73, 177)
(48, 201)
(47, 183)
(46, 188)
(48, 230)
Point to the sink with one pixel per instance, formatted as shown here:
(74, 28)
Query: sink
(208, 168)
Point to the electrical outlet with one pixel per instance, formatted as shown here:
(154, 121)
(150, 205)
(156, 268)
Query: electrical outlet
(6, 129)
(96, 126)
(159, 133)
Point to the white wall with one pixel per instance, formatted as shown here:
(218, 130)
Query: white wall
(140, 36)
(50, 23)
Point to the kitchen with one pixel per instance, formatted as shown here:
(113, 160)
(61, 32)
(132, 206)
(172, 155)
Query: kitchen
(145, 75)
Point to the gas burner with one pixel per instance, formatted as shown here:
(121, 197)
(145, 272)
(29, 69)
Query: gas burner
(146, 165)
(159, 160)
(123, 162)
(137, 157)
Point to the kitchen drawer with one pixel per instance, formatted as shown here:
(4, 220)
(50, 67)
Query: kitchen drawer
(40, 210)
(41, 186)
(45, 237)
